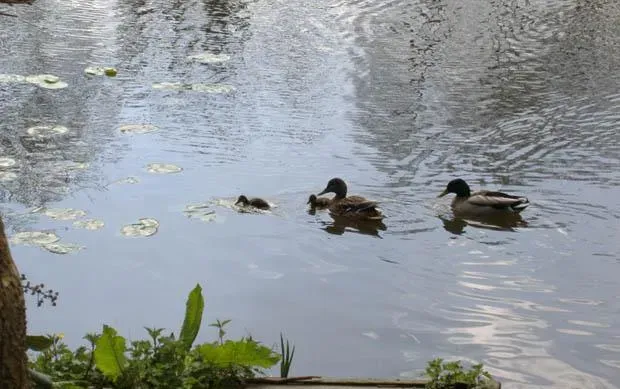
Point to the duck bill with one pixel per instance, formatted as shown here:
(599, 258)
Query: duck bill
(322, 192)
(445, 192)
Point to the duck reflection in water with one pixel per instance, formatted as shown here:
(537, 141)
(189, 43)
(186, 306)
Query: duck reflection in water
(456, 225)
(340, 225)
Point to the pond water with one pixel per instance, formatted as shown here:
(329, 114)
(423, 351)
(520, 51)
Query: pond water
(273, 99)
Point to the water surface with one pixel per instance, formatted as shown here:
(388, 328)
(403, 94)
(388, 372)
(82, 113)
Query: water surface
(397, 98)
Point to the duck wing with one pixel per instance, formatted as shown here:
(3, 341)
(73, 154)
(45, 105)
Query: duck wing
(498, 200)
(357, 206)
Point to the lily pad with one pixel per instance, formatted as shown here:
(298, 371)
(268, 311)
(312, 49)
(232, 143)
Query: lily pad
(144, 227)
(110, 72)
(200, 211)
(12, 78)
(207, 57)
(61, 248)
(72, 165)
(208, 88)
(89, 224)
(213, 88)
(48, 81)
(137, 128)
(7, 176)
(7, 162)
(100, 71)
(168, 85)
(62, 213)
(128, 180)
(46, 131)
(163, 168)
(35, 238)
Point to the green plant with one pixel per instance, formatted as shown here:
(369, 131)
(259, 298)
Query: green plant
(220, 327)
(159, 362)
(444, 375)
(286, 357)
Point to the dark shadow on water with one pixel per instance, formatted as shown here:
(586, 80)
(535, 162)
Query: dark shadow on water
(456, 225)
(340, 225)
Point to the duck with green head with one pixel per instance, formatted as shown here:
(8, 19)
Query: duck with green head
(352, 206)
(255, 202)
(483, 202)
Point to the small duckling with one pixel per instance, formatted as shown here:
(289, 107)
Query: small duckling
(319, 202)
(255, 202)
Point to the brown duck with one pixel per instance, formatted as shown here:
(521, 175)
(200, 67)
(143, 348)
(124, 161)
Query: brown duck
(255, 202)
(352, 206)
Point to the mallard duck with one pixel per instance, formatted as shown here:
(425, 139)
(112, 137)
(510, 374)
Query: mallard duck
(483, 202)
(318, 202)
(255, 202)
(353, 206)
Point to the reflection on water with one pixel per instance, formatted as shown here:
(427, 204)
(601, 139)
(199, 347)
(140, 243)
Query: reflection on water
(395, 97)
(366, 227)
(457, 225)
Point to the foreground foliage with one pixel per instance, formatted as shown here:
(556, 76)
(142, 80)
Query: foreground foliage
(443, 375)
(161, 361)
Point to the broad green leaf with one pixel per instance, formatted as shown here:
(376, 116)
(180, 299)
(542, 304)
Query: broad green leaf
(193, 316)
(241, 352)
(110, 353)
(38, 342)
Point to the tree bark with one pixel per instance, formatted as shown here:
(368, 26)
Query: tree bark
(13, 359)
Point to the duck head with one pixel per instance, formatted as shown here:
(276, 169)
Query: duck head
(457, 186)
(337, 186)
(243, 200)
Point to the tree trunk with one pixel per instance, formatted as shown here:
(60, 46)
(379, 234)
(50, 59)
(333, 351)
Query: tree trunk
(13, 359)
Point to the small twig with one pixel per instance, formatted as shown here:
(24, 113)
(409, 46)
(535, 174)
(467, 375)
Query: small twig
(6, 14)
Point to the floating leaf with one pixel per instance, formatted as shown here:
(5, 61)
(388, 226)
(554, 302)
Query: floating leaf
(207, 57)
(7, 176)
(48, 81)
(168, 85)
(12, 78)
(110, 72)
(200, 211)
(110, 353)
(93, 71)
(63, 213)
(209, 88)
(128, 180)
(61, 248)
(71, 165)
(7, 162)
(163, 168)
(100, 71)
(48, 78)
(89, 224)
(213, 88)
(242, 353)
(144, 227)
(46, 131)
(137, 128)
(193, 316)
(36, 238)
